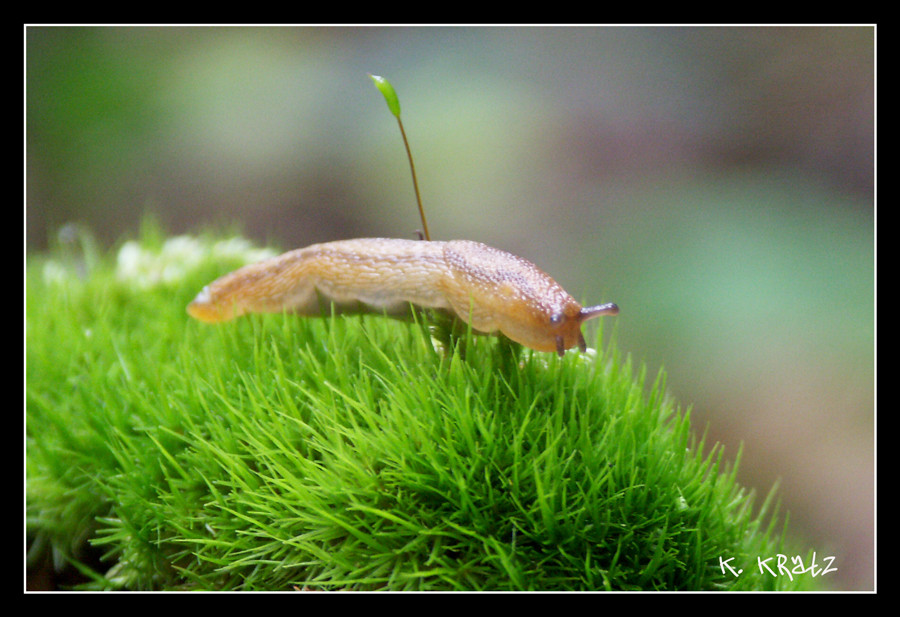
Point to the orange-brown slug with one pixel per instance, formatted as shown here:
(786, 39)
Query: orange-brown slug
(490, 289)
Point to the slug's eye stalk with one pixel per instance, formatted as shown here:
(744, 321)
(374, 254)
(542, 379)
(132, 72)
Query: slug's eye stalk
(589, 312)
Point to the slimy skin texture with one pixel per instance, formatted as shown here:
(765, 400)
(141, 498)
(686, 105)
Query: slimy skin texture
(490, 289)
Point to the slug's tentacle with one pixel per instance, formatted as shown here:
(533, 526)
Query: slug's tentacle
(589, 312)
(490, 289)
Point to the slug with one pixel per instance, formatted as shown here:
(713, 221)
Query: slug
(490, 289)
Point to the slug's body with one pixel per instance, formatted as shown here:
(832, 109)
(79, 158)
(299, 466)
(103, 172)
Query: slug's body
(490, 289)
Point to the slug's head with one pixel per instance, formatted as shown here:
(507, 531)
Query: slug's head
(565, 326)
(555, 330)
(495, 290)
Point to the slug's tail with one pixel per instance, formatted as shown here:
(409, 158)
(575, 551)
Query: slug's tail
(272, 285)
(202, 308)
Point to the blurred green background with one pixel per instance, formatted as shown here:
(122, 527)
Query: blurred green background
(716, 182)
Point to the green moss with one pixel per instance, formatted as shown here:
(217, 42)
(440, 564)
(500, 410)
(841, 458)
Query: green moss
(276, 452)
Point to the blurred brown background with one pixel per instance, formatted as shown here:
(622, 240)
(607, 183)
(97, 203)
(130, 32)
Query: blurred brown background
(716, 182)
